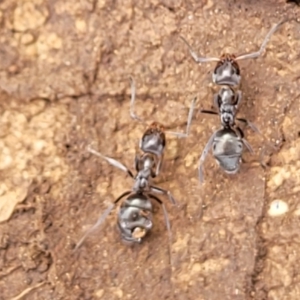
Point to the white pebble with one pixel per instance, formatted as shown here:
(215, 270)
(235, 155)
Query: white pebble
(278, 208)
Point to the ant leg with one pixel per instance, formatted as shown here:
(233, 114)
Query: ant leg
(197, 58)
(98, 223)
(245, 142)
(216, 102)
(136, 162)
(211, 112)
(100, 220)
(166, 217)
(189, 121)
(159, 164)
(238, 99)
(248, 146)
(255, 129)
(159, 190)
(264, 43)
(112, 161)
(203, 156)
(132, 101)
(261, 158)
(251, 125)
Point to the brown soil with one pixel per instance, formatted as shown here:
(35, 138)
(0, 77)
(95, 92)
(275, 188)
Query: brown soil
(64, 69)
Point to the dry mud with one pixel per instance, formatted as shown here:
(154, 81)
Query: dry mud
(64, 69)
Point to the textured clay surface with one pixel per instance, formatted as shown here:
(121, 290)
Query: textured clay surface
(64, 86)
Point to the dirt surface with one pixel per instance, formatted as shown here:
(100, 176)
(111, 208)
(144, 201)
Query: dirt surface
(64, 69)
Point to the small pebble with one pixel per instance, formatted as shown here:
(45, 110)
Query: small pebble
(278, 208)
(99, 293)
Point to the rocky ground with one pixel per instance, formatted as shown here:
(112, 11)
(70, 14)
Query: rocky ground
(64, 69)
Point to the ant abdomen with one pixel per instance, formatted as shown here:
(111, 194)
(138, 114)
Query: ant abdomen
(228, 150)
(135, 217)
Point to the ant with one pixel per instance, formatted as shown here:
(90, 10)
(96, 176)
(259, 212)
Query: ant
(227, 143)
(135, 214)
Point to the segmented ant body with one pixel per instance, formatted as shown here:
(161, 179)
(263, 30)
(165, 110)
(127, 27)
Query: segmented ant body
(135, 214)
(227, 143)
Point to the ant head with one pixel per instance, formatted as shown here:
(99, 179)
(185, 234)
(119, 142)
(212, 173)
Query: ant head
(154, 139)
(227, 71)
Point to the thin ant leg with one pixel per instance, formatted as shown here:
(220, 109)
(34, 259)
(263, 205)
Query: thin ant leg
(216, 102)
(261, 158)
(100, 220)
(98, 223)
(159, 164)
(251, 125)
(136, 162)
(112, 161)
(245, 142)
(132, 101)
(166, 217)
(135, 117)
(248, 146)
(203, 156)
(159, 190)
(255, 129)
(238, 99)
(210, 112)
(197, 58)
(189, 121)
(264, 43)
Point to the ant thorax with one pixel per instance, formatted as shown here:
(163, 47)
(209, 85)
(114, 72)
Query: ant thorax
(146, 164)
(226, 95)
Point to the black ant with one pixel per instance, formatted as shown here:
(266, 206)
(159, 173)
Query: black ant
(227, 142)
(135, 214)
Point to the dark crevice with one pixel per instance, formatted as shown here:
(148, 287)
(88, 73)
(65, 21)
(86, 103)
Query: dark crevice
(293, 1)
(94, 6)
(257, 289)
